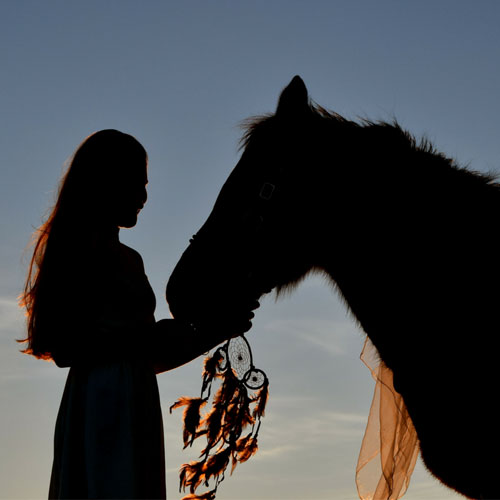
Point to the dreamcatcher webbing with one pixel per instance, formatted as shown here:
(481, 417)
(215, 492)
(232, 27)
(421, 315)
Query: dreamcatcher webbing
(233, 410)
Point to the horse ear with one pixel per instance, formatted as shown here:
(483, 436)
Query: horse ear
(294, 98)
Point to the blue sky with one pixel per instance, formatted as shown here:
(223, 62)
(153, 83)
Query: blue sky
(180, 76)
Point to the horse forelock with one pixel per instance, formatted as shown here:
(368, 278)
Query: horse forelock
(250, 126)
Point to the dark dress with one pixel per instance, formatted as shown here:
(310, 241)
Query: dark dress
(108, 439)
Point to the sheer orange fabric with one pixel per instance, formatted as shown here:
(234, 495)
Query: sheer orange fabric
(389, 449)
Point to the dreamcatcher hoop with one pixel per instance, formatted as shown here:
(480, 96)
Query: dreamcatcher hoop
(237, 355)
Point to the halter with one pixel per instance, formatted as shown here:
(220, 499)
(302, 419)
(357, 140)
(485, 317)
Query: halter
(262, 202)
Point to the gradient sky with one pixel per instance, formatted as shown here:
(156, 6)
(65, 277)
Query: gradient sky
(180, 76)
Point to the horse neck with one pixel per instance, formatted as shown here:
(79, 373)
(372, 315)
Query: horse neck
(356, 201)
(367, 204)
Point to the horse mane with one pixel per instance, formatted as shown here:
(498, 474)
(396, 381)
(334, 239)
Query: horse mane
(378, 130)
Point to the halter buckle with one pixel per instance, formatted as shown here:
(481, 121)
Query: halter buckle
(266, 191)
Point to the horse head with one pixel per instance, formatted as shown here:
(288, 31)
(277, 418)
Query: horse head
(264, 226)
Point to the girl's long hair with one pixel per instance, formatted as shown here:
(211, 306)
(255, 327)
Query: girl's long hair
(63, 245)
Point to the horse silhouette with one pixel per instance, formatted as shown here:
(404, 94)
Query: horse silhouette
(409, 239)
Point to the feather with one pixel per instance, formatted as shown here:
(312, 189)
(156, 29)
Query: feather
(242, 442)
(238, 447)
(210, 369)
(192, 420)
(182, 401)
(216, 464)
(229, 423)
(244, 416)
(191, 475)
(191, 417)
(209, 495)
(250, 449)
(261, 399)
(227, 391)
(213, 423)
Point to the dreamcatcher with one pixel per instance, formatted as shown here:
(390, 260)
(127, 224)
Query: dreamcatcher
(239, 403)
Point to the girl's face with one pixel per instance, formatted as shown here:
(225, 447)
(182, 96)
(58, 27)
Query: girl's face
(128, 194)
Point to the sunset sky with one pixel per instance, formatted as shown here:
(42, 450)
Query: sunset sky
(180, 76)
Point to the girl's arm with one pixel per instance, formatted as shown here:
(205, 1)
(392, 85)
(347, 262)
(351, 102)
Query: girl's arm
(175, 342)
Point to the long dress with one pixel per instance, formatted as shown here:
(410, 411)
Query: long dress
(108, 440)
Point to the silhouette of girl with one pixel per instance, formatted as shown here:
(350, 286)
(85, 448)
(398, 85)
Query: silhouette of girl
(90, 307)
